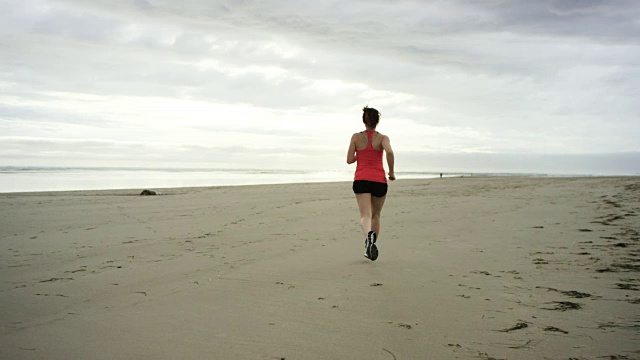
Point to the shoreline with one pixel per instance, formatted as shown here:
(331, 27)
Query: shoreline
(166, 190)
(21, 180)
(473, 267)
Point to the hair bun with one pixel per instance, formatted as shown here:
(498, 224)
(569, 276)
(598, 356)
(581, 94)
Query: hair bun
(370, 116)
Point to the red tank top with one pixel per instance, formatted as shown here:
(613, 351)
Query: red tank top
(369, 161)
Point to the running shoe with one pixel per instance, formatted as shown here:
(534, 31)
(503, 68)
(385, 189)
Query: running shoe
(372, 249)
(367, 247)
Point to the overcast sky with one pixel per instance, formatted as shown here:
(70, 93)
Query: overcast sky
(491, 85)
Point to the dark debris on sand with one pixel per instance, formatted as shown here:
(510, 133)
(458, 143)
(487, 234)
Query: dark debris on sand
(622, 286)
(569, 293)
(518, 326)
(555, 329)
(609, 325)
(620, 245)
(486, 356)
(564, 306)
(632, 187)
(628, 267)
(611, 203)
(617, 267)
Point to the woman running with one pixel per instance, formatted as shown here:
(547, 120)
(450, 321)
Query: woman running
(370, 182)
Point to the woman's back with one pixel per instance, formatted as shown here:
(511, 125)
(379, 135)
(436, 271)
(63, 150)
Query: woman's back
(369, 156)
(362, 141)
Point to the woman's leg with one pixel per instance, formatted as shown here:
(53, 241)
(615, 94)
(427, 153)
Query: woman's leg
(376, 208)
(364, 204)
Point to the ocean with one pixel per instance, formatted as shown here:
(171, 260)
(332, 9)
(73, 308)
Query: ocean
(31, 179)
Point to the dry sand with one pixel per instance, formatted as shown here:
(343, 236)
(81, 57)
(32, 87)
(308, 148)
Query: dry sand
(471, 268)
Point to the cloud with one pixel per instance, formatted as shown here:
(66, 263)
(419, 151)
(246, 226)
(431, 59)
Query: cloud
(41, 151)
(489, 76)
(571, 7)
(627, 163)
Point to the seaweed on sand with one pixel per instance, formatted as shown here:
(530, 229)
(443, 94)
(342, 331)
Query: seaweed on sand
(564, 306)
(518, 326)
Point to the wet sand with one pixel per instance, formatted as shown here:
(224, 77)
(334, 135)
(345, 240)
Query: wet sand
(469, 268)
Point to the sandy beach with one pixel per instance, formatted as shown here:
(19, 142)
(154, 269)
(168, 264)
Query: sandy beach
(469, 268)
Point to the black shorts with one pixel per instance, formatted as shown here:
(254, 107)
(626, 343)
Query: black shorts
(374, 188)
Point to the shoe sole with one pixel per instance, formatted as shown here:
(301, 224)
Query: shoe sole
(373, 252)
(372, 249)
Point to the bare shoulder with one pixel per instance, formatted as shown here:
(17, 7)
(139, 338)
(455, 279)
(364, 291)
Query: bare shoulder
(386, 144)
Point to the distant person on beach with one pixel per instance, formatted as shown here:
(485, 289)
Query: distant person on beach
(370, 181)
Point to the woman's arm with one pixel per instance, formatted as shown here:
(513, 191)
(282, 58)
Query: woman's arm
(386, 145)
(351, 153)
